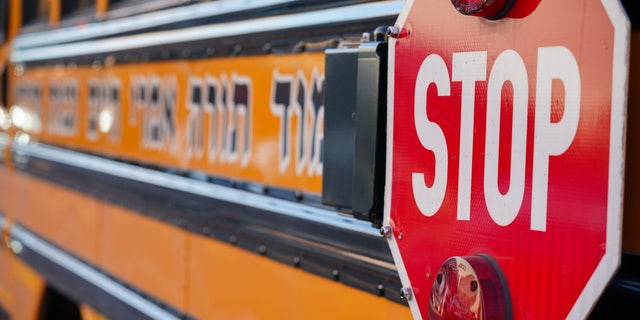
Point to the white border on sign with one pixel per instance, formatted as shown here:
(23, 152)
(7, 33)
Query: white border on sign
(393, 245)
(619, 86)
(611, 260)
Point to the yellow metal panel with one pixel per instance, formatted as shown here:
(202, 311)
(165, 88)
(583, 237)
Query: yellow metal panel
(145, 253)
(54, 12)
(226, 282)
(6, 277)
(102, 6)
(15, 18)
(66, 218)
(28, 288)
(6, 185)
(87, 313)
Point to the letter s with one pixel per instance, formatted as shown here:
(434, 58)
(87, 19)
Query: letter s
(429, 199)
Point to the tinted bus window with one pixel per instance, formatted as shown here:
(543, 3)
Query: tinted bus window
(34, 11)
(4, 19)
(70, 7)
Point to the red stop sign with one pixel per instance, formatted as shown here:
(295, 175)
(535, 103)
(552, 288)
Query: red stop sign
(506, 140)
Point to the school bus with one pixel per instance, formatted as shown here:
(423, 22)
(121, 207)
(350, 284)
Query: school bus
(183, 159)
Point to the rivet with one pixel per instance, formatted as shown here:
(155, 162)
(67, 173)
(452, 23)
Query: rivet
(16, 246)
(386, 231)
(380, 288)
(366, 37)
(396, 32)
(18, 70)
(406, 293)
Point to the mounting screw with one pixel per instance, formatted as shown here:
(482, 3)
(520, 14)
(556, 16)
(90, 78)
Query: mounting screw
(396, 32)
(335, 273)
(380, 288)
(406, 293)
(15, 246)
(386, 231)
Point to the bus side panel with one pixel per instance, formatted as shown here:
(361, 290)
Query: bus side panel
(89, 313)
(230, 283)
(145, 252)
(68, 219)
(6, 296)
(27, 290)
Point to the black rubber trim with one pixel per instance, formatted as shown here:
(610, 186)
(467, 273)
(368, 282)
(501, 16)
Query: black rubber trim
(334, 253)
(82, 291)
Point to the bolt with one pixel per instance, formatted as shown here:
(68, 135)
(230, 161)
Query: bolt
(386, 231)
(18, 70)
(366, 37)
(406, 293)
(16, 246)
(396, 32)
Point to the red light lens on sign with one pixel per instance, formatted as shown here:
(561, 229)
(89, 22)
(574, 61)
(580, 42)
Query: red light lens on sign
(470, 288)
(490, 9)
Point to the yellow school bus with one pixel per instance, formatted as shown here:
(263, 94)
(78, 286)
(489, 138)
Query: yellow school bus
(184, 159)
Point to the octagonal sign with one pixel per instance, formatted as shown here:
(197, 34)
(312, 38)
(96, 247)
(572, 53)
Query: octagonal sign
(506, 142)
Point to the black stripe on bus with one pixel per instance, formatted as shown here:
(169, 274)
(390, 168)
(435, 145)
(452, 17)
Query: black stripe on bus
(359, 260)
(82, 289)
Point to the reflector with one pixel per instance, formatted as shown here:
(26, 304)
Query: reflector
(490, 9)
(470, 288)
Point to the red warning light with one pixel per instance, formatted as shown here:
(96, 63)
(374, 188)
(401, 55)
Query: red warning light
(469, 288)
(490, 9)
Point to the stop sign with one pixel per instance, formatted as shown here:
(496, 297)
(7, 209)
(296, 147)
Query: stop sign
(506, 140)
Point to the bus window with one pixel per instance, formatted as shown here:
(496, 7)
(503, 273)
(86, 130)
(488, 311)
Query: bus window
(71, 7)
(3, 89)
(4, 20)
(35, 11)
